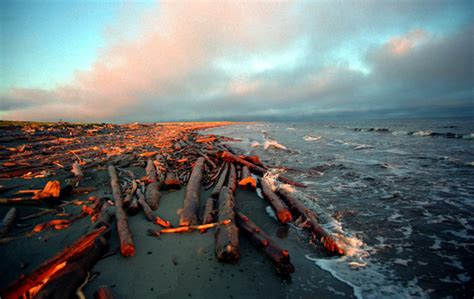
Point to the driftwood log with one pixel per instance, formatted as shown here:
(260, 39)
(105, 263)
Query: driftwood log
(281, 209)
(209, 211)
(221, 181)
(127, 247)
(232, 179)
(316, 229)
(65, 282)
(7, 222)
(227, 237)
(152, 193)
(229, 157)
(191, 199)
(247, 181)
(28, 286)
(279, 257)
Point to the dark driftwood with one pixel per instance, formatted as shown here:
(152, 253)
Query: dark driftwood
(220, 181)
(105, 215)
(280, 257)
(232, 179)
(104, 292)
(209, 211)
(227, 237)
(28, 285)
(152, 193)
(127, 247)
(246, 179)
(171, 182)
(229, 157)
(191, 199)
(7, 222)
(281, 209)
(317, 230)
(145, 207)
(64, 283)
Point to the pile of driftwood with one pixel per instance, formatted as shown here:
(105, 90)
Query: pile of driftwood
(173, 155)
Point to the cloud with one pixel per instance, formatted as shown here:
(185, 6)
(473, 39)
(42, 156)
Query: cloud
(225, 60)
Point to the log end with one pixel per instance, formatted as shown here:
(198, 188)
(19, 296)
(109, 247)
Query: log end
(127, 249)
(248, 183)
(284, 216)
(229, 254)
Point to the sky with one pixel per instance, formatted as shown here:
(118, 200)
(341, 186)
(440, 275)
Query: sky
(127, 61)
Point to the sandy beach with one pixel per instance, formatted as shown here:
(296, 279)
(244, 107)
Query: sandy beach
(172, 265)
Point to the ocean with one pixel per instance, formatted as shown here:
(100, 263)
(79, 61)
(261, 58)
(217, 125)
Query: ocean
(399, 194)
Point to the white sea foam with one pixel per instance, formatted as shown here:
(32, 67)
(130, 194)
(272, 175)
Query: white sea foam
(422, 133)
(269, 143)
(311, 138)
(370, 281)
(470, 136)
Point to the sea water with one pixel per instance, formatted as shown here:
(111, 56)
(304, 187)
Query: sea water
(399, 193)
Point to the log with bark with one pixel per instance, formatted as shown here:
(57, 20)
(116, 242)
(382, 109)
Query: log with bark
(7, 222)
(227, 237)
(191, 199)
(221, 181)
(232, 179)
(152, 193)
(209, 211)
(281, 209)
(145, 207)
(311, 219)
(28, 286)
(229, 157)
(279, 257)
(127, 247)
(247, 181)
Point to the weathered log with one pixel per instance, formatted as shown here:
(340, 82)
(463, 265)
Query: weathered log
(78, 174)
(104, 292)
(145, 207)
(65, 282)
(152, 193)
(130, 193)
(7, 222)
(316, 229)
(247, 181)
(232, 179)
(171, 182)
(27, 286)
(281, 209)
(187, 229)
(19, 201)
(127, 247)
(229, 157)
(105, 215)
(221, 181)
(191, 199)
(209, 211)
(279, 257)
(227, 237)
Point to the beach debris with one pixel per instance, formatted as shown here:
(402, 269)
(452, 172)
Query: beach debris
(247, 181)
(279, 257)
(7, 222)
(127, 247)
(229, 157)
(60, 276)
(232, 179)
(282, 211)
(191, 199)
(310, 219)
(209, 215)
(221, 181)
(187, 229)
(227, 237)
(152, 193)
